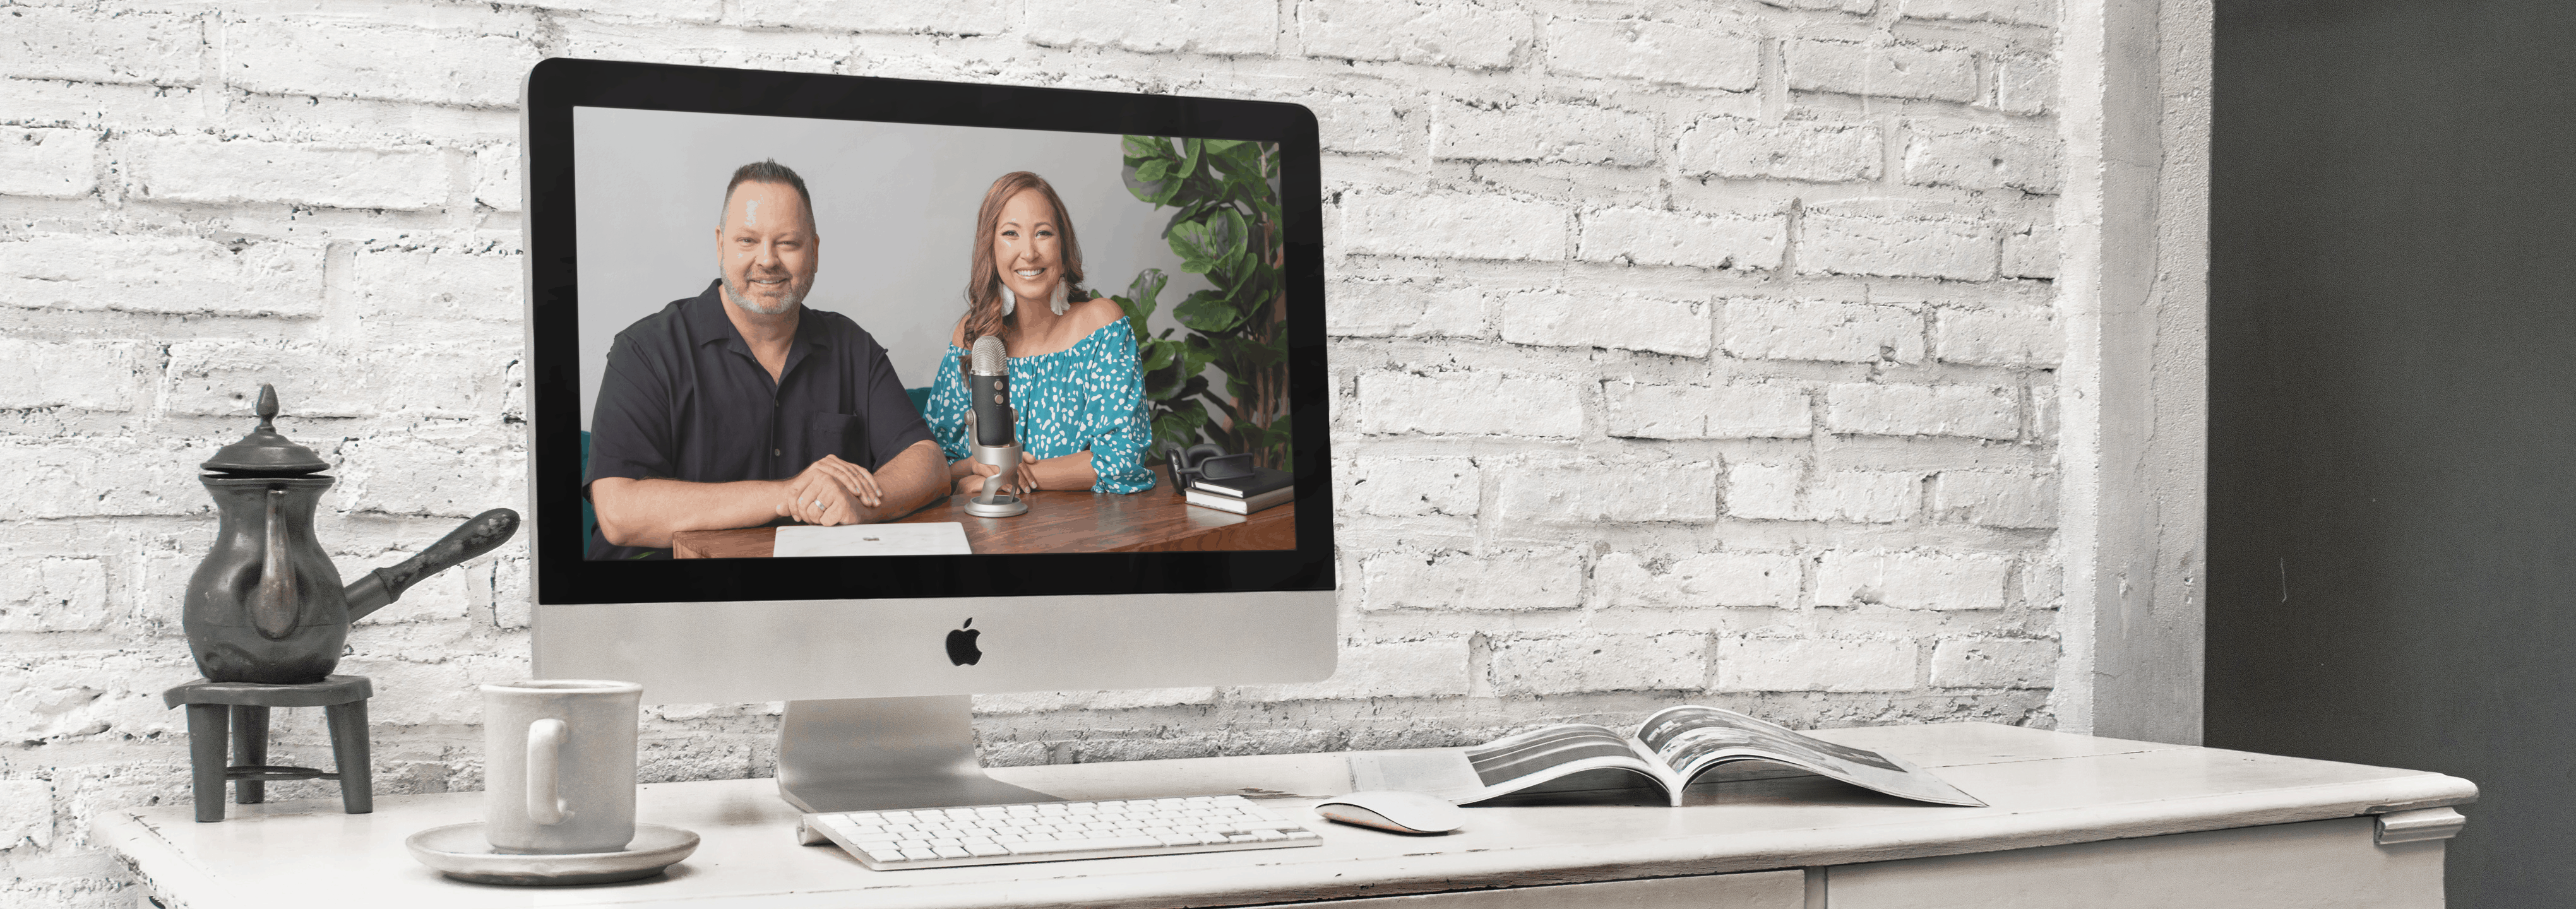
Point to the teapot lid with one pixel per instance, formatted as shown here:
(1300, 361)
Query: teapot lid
(264, 451)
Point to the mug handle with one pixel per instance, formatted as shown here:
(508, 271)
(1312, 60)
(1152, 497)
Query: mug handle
(545, 764)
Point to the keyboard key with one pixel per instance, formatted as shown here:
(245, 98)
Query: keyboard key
(951, 852)
(1087, 845)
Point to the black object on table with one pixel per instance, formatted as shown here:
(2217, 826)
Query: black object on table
(238, 712)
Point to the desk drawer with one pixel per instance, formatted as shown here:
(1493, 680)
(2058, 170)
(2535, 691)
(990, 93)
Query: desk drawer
(2315, 864)
(1752, 890)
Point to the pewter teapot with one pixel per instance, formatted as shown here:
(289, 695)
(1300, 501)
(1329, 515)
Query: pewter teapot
(267, 604)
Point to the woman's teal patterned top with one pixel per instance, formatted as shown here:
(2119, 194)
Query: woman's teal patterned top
(1090, 396)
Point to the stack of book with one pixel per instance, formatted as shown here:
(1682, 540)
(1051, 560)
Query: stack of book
(1244, 495)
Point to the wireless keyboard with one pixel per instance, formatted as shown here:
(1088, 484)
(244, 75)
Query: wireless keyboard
(1056, 831)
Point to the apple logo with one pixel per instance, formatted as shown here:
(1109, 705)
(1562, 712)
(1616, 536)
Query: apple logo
(961, 645)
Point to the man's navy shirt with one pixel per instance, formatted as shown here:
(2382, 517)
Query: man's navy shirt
(684, 399)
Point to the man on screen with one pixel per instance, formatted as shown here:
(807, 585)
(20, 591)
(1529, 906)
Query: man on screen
(739, 406)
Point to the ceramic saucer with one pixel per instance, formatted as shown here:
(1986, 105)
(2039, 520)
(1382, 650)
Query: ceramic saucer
(461, 852)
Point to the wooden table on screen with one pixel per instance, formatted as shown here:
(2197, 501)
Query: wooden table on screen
(1156, 520)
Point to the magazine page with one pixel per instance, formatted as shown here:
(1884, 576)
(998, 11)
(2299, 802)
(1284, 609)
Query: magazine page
(1516, 762)
(1689, 740)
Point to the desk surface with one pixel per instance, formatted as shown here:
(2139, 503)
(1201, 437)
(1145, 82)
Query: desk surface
(1058, 521)
(2046, 789)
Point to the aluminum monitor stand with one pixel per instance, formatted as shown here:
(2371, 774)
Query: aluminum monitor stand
(882, 754)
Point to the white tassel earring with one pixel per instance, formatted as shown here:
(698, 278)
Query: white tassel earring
(1009, 300)
(1063, 298)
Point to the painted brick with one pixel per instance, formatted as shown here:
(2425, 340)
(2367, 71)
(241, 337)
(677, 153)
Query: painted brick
(2031, 252)
(1994, 663)
(429, 285)
(1554, 133)
(1431, 34)
(1361, 125)
(82, 375)
(942, 17)
(1648, 236)
(1697, 581)
(79, 45)
(202, 169)
(1412, 487)
(1155, 26)
(1899, 239)
(1787, 493)
(1971, 411)
(1500, 580)
(2015, 12)
(1881, 70)
(1127, 699)
(1984, 158)
(2025, 83)
(393, 474)
(662, 10)
(1601, 662)
(1797, 150)
(496, 178)
(1653, 52)
(380, 60)
(2022, 336)
(26, 816)
(222, 378)
(55, 594)
(161, 275)
(1382, 669)
(1627, 321)
(1469, 403)
(48, 163)
(1742, 411)
(103, 477)
(1454, 226)
(1996, 498)
(1761, 329)
(1815, 664)
(1911, 580)
(1592, 492)
(1405, 308)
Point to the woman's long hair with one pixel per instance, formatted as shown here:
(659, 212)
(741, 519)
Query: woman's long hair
(984, 282)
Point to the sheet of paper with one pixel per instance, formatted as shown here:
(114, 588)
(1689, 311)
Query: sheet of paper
(871, 540)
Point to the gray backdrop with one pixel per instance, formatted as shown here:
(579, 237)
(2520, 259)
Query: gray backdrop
(894, 206)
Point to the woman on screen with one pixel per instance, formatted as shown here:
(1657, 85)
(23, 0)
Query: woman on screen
(1074, 379)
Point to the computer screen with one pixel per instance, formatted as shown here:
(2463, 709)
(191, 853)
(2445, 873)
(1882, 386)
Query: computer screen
(865, 388)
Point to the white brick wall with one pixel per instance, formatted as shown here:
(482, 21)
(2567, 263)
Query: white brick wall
(1664, 371)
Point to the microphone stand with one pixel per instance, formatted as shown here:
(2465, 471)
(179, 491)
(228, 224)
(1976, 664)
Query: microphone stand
(993, 504)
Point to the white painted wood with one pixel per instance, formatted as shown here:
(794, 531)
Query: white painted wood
(2311, 865)
(2047, 789)
(1751, 890)
(2420, 824)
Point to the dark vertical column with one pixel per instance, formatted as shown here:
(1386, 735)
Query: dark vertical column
(349, 756)
(2392, 501)
(250, 749)
(206, 762)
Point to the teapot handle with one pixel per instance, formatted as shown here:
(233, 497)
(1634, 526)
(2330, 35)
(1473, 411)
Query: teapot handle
(273, 611)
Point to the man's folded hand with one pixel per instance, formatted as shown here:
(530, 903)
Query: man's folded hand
(831, 491)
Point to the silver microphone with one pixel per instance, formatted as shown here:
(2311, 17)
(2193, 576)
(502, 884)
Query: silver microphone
(989, 422)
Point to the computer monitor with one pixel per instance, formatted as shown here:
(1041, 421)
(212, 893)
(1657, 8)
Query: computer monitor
(682, 338)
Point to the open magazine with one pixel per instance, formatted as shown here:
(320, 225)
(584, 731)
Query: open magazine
(1678, 744)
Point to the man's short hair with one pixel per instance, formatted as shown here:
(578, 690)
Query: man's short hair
(766, 170)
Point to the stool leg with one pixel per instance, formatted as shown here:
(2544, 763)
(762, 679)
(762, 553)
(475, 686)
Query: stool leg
(206, 765)
(250, 749)
(349, 756)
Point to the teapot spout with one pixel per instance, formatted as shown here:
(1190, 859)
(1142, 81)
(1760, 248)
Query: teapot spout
(475, 537)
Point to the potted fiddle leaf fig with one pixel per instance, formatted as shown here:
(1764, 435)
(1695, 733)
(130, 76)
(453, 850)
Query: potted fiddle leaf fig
(1226, 226)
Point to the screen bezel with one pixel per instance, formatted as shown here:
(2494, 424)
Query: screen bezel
(556, 86)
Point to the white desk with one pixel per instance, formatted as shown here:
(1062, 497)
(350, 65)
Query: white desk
(2075, 821)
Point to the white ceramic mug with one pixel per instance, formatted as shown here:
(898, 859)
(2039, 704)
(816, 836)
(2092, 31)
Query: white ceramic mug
(559, 765)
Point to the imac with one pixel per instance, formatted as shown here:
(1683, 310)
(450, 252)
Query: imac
(650, 269)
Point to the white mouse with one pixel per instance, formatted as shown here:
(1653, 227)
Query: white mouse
(1388, 809)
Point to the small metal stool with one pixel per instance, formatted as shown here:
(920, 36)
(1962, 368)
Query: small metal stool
(241, 709)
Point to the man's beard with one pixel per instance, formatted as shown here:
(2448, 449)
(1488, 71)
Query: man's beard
(740, 297)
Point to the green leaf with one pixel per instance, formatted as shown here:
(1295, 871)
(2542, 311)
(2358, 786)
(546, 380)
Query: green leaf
(1153, 171)
(1222, 145)
(1154, 191)
(1155, 355)
(1148, 283)
(1208, 311)
(1237, 235)
(1189, 159)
